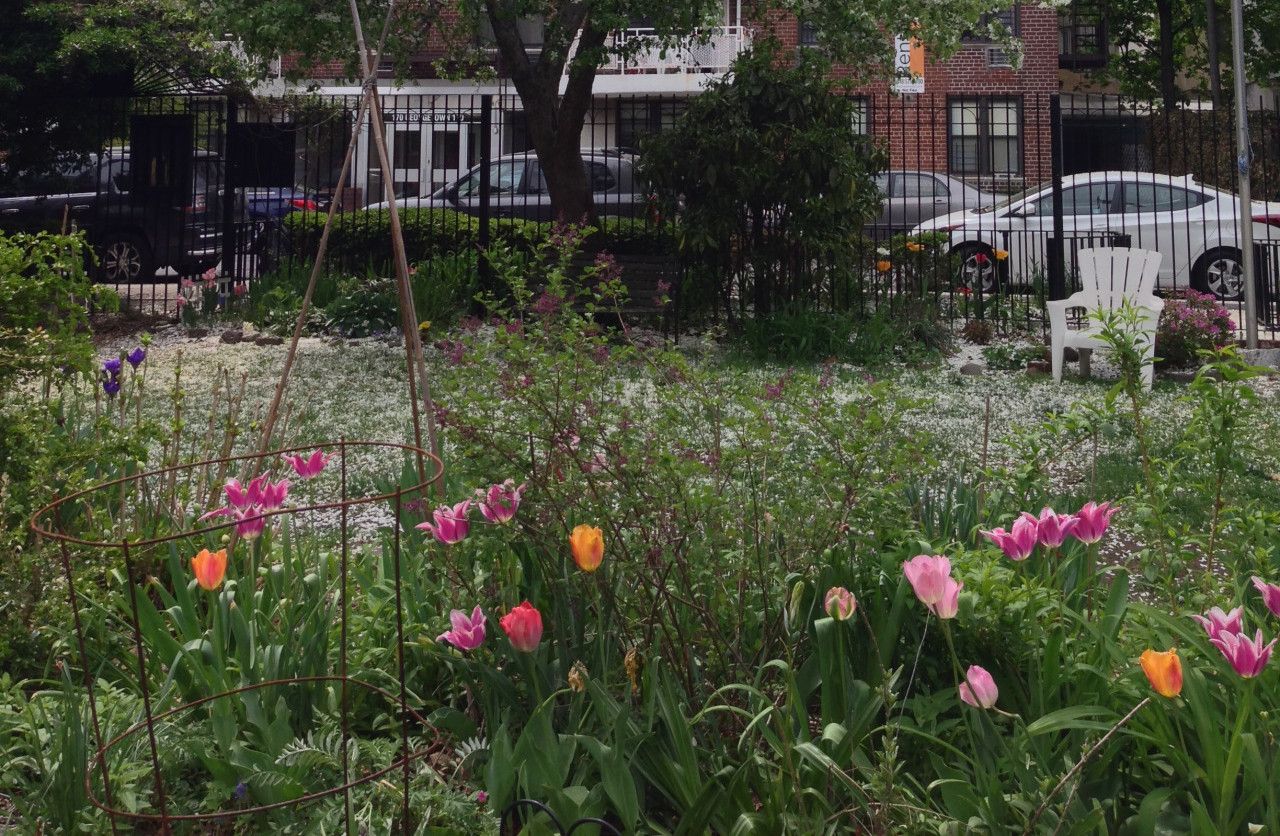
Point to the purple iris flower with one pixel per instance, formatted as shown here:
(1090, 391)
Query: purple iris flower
(111, 385)
(136, 356)
(112, 366)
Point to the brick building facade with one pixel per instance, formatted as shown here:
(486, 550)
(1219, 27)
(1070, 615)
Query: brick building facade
(977, 117)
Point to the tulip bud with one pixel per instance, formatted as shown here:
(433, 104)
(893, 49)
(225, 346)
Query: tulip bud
(840, 603)
(796, 600)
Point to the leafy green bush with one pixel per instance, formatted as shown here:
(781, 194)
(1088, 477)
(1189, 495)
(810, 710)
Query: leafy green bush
(363, 238)
(766, 180)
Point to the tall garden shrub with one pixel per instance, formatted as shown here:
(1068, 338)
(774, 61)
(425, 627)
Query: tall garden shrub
(768, 180)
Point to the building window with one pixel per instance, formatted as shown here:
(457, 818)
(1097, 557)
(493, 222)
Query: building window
(1082, 39)
(807, 34)
(1010, 19)
(860, 119)
(641, 118)
(985, 137)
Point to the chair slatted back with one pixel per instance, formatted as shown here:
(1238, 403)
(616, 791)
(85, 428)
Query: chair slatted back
(1113, 274)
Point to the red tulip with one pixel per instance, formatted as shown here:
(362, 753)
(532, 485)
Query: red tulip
(523, 626)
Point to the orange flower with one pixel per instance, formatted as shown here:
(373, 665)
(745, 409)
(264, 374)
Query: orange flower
(587, 544)
(1163, 670)
(915, 246)
(209, 568)
(1002, 255)
(884, 266)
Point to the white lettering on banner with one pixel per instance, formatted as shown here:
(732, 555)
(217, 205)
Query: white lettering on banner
(908, 65)
(420, 116)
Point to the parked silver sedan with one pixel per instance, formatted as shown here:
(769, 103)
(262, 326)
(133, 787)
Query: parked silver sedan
(911, 197)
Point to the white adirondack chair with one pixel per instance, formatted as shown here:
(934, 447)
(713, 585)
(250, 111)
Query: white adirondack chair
(1109, 276)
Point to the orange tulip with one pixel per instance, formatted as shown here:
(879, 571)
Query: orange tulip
(1001, 255)
(209, 568)
(1163, 670)
(587, 544)
(915, 246)
(884, 266)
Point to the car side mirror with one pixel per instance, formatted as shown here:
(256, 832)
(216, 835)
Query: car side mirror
(1020, 213)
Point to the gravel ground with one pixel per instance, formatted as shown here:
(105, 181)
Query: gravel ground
(355, 389)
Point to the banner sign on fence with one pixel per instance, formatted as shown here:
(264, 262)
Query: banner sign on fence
(908, 65)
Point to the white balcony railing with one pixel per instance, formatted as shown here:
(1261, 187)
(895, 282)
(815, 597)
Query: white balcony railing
(712, 53)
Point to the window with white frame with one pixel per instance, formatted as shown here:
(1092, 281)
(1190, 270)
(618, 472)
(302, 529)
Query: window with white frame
(984, 136)
(860, 118)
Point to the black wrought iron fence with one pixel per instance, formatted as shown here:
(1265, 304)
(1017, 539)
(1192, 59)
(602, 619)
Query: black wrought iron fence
(169, 188)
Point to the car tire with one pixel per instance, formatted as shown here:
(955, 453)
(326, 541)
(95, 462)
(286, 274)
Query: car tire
(125, 258)
(1220, 273)
(978, 268)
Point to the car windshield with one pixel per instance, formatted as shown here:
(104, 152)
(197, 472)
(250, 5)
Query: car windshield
(1011, 200)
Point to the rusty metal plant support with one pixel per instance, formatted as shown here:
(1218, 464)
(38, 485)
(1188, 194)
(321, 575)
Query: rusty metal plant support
(510, 819)
(52, 522)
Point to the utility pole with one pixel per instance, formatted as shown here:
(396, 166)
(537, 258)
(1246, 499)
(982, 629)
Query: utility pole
(1243, 159)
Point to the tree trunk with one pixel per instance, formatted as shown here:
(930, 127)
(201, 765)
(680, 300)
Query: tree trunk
(554, 121)
(1211, 41)
(1169, 92)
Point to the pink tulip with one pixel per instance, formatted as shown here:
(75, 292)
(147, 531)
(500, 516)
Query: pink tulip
(1020, 541)
(499, 503)
(243, 497)
(249, 522)
(840, 603)
(523, 626)
(1247, 656)
(274, 495)
(1270, 595)
(451, 524)
(928, 575)
(1216, 621)
(1052, 529)
(979, 689)
(308, 467)
(950, 603)
(467, 633)
(1091, 522)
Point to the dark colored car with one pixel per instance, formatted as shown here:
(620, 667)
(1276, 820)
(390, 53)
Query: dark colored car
(517, 188)
(133, 233)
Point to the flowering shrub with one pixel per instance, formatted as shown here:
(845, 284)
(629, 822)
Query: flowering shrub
(1192, 322)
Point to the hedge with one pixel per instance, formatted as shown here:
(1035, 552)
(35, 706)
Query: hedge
(363, 237)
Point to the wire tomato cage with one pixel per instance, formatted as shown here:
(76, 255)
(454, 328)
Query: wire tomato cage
(121, 509)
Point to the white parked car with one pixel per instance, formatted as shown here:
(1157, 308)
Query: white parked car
(1193, 225)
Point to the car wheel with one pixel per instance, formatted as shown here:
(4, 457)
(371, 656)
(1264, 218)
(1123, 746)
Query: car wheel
(1220, 273)
(125, 258)
(978, 268)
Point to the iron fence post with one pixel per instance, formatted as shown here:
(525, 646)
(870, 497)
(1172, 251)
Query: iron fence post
(1057, 251)
(486, 151)
(229, 265)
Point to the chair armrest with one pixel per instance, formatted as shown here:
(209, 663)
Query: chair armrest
(1079, 299)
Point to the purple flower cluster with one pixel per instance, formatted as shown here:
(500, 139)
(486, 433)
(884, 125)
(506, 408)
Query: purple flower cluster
(112, 366)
